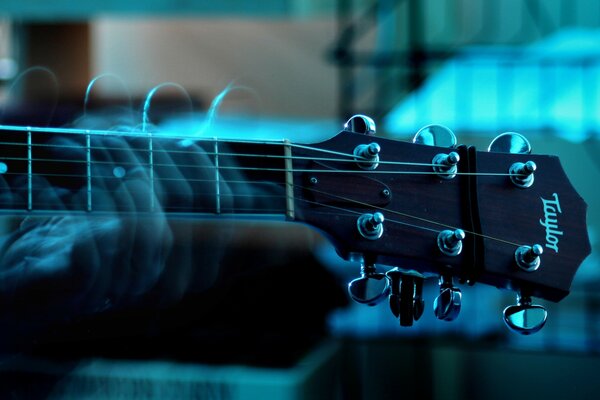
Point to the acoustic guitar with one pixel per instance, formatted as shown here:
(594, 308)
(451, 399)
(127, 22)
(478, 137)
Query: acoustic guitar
(406, 211)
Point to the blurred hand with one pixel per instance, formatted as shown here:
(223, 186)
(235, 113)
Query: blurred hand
(58, 267)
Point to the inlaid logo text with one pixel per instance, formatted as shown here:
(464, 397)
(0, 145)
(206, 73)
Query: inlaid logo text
(550, 221)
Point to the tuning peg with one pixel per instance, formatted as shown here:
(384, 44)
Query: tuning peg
(525, 318)
(446, 165)
(395, 277)
(521, 174)
(419, 303)
(406, 295)
(360, 124)
(370, 226)
(450, 242)
(528, 257)
(435, 135)
(510, 142)
(371, 288)
(446, 306)
(367, 155)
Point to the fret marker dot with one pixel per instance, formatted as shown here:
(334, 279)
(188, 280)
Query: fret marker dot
(119, 172)
(3, 168)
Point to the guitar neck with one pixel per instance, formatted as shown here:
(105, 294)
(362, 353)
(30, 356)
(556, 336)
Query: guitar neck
(49, 171)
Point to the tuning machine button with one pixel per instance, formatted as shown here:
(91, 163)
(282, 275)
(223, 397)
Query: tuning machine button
(510, 142)
(450, 242)
(528, 257)
(446, 165)
(370, 226)
(371, 288)
(435, 135)
(525, 318)
(521, 174)
(360, 124)
(367, 155)
(406, 296)
(447, 304)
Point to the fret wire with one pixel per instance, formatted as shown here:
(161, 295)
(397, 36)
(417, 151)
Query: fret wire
(217, 180)
(289, 182)
(29, 172)
(89, 172)
(151, 161)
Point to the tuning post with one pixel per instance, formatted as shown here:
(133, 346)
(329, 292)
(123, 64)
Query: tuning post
(450, 242)
(360, 124)
(371, 287)
(406, 295)
(447, 304)
(521, 174)
(525, 318)
(370, 226)
(367, 155)
(528, 257)
(446, 165)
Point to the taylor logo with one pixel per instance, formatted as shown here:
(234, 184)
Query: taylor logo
(550, 221)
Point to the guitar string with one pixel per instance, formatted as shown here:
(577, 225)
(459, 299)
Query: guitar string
(346, 199)
(352, 159)
(183, 142)
(238, 209)
(243, 168)
(360, 213)
(272, 156)
(257, 168)
(271, 169)
(412, 216)
(282, 170)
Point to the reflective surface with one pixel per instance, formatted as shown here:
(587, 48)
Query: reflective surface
(360, 124)
(370, 289)
(510, 142)
(446, 306)
(524, 318)
(435, 135)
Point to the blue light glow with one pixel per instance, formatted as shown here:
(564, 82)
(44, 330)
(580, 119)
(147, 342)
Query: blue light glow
(551, 85)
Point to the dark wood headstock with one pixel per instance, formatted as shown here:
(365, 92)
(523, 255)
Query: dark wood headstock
(481, 199)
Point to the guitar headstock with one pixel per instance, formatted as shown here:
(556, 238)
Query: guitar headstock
(502, 217)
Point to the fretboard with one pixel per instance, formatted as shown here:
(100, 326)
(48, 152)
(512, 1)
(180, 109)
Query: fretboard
(46, 170)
